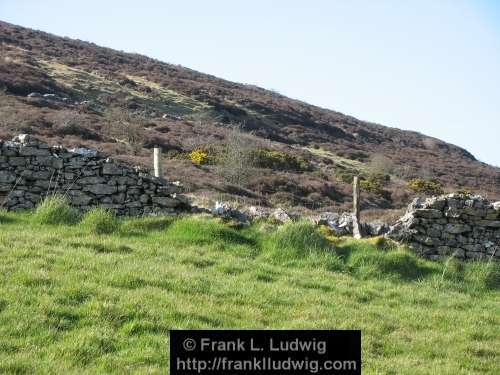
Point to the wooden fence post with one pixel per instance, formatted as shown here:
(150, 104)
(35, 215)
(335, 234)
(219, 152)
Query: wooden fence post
(356, 227)
(157, 162)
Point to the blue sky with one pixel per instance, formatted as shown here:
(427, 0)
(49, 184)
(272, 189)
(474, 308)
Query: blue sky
(428, 66)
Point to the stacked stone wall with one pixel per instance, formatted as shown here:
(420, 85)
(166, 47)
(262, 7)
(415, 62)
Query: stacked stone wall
(30, 170)
(463, 226)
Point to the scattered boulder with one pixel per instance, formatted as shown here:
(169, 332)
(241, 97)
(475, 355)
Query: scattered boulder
(281, 215)
(226, 211)
(257, 213)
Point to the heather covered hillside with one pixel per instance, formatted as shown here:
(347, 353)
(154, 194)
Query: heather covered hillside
(222, 140)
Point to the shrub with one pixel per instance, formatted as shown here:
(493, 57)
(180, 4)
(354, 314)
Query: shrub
(280, 161)
(346, 176)
(380, 164)
(100, 220)
(198, 156)
(464, 191)
(372, 186)
(236, 159)
(375, 183)
(124, 127)
(55, 210)
(431, 187)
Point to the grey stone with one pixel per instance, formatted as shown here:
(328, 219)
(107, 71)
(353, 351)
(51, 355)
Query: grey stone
(7, 177)
(488, 223)
(492, 214)
(17, 160)
(101, 189)
(41, 175)
(434, 203)
(76, 162)
(33, 151)
(44, 184)
(428, 213)
(91, 180)
(457, 228)
(165, 201)
(50, 161)
(79, 198)
(118, 198)
(111, 169)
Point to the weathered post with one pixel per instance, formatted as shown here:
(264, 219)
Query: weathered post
(356, 228)
(157, 162)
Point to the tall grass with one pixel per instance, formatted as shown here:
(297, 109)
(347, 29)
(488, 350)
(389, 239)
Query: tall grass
(100, 220)
(54, 210)
(296, 240)
(201, 230)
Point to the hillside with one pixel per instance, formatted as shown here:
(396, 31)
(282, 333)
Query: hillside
(73, 300)
(285, 153)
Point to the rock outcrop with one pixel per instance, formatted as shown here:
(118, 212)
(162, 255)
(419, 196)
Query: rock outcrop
(31, 169)
(463, 226)
(342, 224)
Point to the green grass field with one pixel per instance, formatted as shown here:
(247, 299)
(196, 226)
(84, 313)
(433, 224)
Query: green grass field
(95, 296)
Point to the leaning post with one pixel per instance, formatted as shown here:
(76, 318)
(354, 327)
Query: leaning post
(157, 162)
(356, 227)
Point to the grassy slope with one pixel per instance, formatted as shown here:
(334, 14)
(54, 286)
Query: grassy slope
(75, 302)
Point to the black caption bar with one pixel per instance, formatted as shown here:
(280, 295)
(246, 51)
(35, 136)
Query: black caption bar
(231, 352)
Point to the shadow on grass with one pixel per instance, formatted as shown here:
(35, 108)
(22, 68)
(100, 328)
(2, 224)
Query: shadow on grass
(7, 219)
(61, 319)
(103, 248)
(199, 263)
(144, 226)
(196, 231)
(366, 261)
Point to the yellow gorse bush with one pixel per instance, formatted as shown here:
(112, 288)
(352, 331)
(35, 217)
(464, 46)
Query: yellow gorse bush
(431, 187)
(198, 156)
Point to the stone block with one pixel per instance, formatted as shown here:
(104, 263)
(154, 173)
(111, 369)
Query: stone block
(17, 161)
(7, 177)
(488, 223)
(111, 169)
(457, 228)
(101, 189)
(428, 214)
(33, 151)
(165, 201)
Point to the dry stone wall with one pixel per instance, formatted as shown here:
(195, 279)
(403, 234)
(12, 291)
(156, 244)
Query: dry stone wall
(31, 169)
(463, 226)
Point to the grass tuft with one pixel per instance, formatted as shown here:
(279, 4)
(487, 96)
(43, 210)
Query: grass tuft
(295, 241)
(202, 230)
(55, 210)
(100, 220)
(486, 275)
(399, 264)
(88, 345)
